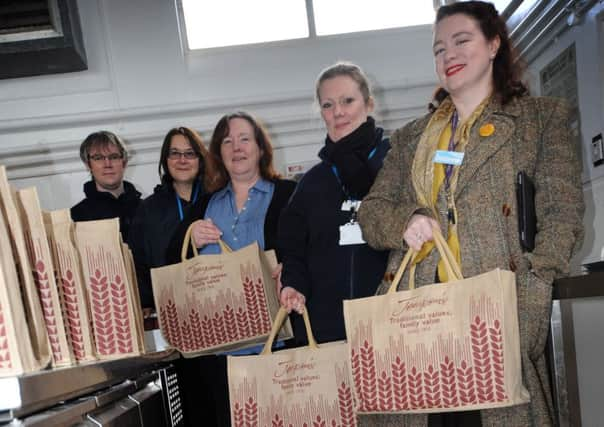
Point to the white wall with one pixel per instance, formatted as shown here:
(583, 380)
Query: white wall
(589, 44)
(140, 83)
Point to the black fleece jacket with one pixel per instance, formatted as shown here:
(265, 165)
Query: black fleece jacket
(103, 205)
(314, 263)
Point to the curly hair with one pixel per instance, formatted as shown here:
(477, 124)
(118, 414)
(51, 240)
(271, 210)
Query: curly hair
(507, 70)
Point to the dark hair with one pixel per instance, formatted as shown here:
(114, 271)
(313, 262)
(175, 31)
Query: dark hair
(267, 171)
(102, 139)
(345, 69)
(507, 71)
(196, 143)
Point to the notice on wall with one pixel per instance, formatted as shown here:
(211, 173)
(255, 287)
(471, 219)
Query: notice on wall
(559, 79)
(295, 171)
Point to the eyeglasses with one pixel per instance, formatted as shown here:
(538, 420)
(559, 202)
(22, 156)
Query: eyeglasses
(113, 157)
(177, 155)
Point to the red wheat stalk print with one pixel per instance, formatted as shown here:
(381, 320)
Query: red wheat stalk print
(318, 422)
(5, 359)
(72, 312)
(447, 378)
(399, 384)
(230, 323)
(465, 384)
(45, 294)
(172, 324)
(432, 391)
(101, 308)
(196, 330)
(208, 331)
(186, 334)
(368, 374)
(386, 402)
(251, 304)
(497, 359)
(277, 421)
(481, 360)
(237, 415)
(119, 302)
(262, 308)
(347, 416)
(243, 326)
(355, 369)
(219, 330)
(251, 413)
(414, 381)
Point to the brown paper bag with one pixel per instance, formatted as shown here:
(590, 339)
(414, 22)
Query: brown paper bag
(44, 275)
(214, 303)
(298, 387)
(138, 312)
(74, 300)
(24, 344)
(110, 295)
(446, 347)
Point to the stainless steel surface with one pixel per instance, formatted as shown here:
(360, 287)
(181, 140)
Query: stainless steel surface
(28, 393)
(114, 393)
(171, 396)
(151, 406)
(59, 416)
(119, 414)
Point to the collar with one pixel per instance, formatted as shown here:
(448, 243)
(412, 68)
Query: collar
(261, 185)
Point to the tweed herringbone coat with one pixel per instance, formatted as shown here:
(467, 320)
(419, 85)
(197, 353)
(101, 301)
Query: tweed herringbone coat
(531, 134)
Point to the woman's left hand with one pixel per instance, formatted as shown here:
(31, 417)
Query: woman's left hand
(291, 299)
(276, 274)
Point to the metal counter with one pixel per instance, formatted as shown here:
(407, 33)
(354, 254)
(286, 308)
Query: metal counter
(562, 352)
(25, 394)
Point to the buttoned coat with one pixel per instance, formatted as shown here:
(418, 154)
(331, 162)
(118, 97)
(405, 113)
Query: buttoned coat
(530, 134)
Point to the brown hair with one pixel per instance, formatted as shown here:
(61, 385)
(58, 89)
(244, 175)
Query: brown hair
(221, 176)
(206, 167)
(345, 69)
(102, 138)
(507, 70)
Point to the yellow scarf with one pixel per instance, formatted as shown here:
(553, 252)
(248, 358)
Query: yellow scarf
(428, 177)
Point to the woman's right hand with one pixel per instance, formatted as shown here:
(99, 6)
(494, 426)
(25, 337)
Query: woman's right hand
(419, 231)
(204, 231)
(291, 299)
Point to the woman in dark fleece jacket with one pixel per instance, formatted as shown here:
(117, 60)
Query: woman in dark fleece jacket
(325, 259)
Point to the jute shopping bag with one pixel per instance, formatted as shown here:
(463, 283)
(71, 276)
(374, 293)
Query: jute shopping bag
(68, 270)
(306, 386)
(213, 303)
(438, 348)
(112, 302)
(138, 314)
(41, 260)
(24, 344)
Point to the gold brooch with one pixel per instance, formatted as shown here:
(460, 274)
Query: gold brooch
(487, 130)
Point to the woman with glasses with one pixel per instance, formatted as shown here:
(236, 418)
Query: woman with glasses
(185, 174)
(245, 209)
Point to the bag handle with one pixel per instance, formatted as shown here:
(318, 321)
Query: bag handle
(224, 248)
(453, 269)
(278, 322)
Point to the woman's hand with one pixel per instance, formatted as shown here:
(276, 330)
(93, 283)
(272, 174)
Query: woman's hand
(419, 231)
(291, 299)
(204, 231)
(276, 274)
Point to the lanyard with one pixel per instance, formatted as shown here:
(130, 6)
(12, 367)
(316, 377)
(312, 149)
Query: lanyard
(181, 214)
(335, 172)
(449, 168)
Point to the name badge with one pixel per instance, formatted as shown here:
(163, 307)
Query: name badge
(351, 234)
(448, 157)
(348, 205)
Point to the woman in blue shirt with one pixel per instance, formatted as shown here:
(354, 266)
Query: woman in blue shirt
(245, 209)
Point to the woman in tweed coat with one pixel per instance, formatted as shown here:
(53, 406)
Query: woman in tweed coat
(508, 132)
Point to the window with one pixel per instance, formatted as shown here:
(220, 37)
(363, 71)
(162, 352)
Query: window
(238, 22)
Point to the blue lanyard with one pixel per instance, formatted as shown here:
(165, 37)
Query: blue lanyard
(181, 214)
(335, 172)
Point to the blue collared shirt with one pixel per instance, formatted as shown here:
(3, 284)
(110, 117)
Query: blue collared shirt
(239, 229)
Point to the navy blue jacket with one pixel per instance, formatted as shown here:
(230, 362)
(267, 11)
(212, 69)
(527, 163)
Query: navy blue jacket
(314, 263)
